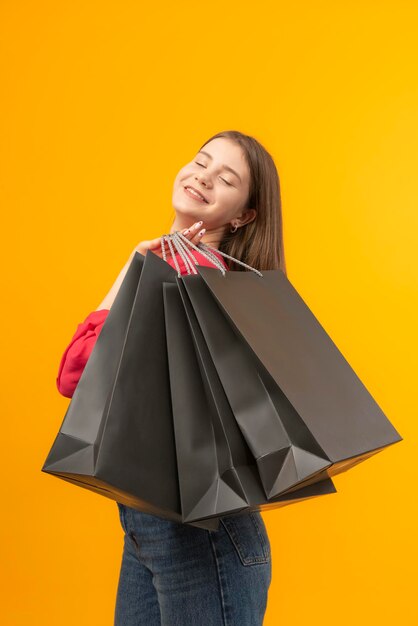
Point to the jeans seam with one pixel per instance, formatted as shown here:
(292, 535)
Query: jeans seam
(122, 513)
(234, 534)
(132, 537)
(266, 549)
(215, 556)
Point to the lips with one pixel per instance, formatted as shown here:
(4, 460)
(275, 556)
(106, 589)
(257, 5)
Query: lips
(197, 191)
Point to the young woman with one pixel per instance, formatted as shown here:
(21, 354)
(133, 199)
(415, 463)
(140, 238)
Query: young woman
(172, 574)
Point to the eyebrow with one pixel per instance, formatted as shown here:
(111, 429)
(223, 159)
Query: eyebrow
(226, 167)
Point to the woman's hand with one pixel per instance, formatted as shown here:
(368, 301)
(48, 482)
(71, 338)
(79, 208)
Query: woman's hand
(194, 235)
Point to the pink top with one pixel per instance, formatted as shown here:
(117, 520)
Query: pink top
(76, 354)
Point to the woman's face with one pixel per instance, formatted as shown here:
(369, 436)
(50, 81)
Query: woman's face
(221, 175)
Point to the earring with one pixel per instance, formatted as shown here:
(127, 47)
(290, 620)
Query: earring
(233, 230)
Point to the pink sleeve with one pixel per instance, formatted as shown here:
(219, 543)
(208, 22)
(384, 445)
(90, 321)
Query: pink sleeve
(76, 355)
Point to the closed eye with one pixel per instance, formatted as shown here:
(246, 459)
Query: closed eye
(225, 181)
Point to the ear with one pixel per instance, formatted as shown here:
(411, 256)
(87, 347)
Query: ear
(247, 216)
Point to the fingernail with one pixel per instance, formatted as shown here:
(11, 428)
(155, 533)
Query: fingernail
(186, 231)
(198, 224)
(200, 233)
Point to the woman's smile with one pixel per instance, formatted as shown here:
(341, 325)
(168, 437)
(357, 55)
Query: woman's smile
(195, 195)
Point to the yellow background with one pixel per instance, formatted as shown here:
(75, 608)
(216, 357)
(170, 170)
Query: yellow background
(102, 103)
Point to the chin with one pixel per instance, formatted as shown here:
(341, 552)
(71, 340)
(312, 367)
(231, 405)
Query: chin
(185, 209)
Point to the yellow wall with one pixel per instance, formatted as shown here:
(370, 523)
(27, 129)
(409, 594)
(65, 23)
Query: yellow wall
(102, 103)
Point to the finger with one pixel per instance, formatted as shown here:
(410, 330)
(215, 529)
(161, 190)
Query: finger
(192, 232)
(196, 238)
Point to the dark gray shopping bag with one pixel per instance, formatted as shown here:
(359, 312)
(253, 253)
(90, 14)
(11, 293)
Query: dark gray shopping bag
(216, 468)
(117, 435)
(300, 406)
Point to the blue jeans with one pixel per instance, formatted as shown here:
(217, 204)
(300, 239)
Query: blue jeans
(175, 574)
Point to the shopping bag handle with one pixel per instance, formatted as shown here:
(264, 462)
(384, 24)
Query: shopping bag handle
(178, 241)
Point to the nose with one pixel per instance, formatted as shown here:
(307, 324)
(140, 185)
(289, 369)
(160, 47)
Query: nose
(202, 178)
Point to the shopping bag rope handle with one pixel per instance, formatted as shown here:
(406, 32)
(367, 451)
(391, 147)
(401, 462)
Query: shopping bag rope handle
(186, 251)
(178, 240)
(186, 254)
(174, 240)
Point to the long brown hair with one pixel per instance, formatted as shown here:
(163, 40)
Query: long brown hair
(258, 243)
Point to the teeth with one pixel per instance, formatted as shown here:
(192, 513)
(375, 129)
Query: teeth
(195, 193)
